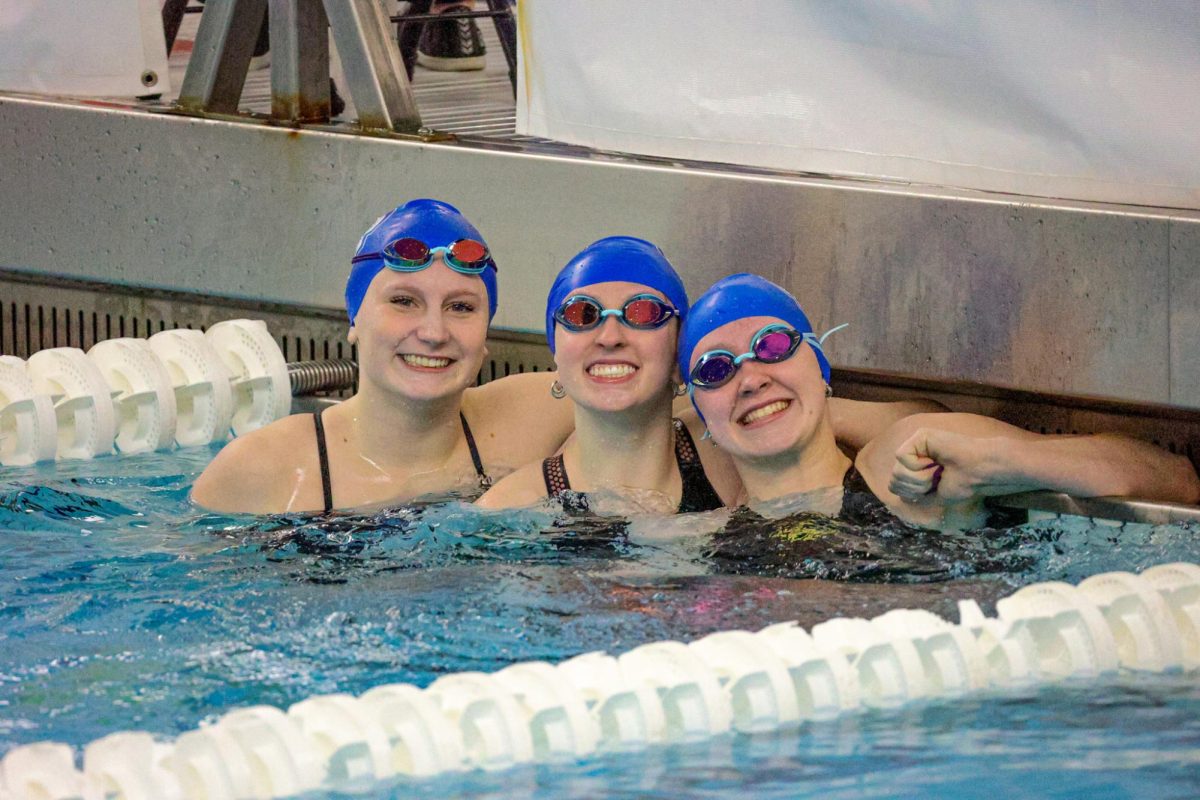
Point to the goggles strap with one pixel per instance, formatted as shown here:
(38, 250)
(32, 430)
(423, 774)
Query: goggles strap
(815, 341)
(821, 339)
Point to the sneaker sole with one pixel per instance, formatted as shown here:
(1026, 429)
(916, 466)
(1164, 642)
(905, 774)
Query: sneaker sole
(444, 64)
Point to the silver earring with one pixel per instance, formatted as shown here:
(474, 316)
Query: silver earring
(557, 391)
(828, 390)
(680, 389)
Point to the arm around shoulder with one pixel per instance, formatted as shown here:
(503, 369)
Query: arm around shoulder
(856, 422)
(966, 455)
(521, 404)
(519, 489)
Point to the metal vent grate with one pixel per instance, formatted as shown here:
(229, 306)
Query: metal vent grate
(38, 312)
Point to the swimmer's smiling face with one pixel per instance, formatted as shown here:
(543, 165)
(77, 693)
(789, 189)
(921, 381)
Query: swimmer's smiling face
(421, 335)
(765, 410)
(613, 367)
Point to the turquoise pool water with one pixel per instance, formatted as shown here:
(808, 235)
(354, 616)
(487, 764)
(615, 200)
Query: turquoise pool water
(123, 607)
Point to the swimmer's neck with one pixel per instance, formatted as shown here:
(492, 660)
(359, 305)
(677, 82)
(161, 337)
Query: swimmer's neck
(819, 464)
(388, 429)
(633, 448)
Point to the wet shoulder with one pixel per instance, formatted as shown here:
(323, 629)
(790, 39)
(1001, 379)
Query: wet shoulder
(257, 472)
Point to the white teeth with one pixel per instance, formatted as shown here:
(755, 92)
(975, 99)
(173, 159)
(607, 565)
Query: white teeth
(611, 370)
(765, 411)
(425, 361)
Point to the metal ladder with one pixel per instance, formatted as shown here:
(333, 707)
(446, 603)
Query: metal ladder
(375, 73)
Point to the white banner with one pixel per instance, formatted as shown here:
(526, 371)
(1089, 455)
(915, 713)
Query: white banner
(1081, 99)
(89, 48)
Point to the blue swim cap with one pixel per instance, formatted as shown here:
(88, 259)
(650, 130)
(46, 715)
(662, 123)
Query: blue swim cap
(737, 297)
(435, 223)
(616, 258)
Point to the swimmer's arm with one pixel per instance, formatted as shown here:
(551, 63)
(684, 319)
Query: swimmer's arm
(522, 488)
(856, 422)
(980, 457)
(523, 403)
(245, 477)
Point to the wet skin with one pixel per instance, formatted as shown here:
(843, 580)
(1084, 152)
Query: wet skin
(613, 367)
(765, 413)
(421, 336)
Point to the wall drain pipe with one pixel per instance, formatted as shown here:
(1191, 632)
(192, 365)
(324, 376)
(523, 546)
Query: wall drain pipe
(309, 377)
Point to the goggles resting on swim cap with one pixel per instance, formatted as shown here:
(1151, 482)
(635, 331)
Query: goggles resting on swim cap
(404, 239)
(409, 254)
(643, 312)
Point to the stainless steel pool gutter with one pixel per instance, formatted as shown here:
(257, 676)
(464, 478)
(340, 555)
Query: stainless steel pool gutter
(1111, 508)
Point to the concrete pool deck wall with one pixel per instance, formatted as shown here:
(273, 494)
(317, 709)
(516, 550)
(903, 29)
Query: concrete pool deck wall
(1056, 297)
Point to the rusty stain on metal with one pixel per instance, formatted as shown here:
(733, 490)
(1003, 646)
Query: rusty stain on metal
(314, 109)
(357, 128)
(284, 108)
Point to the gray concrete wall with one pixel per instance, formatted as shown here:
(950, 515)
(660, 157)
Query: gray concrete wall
(1065, 298)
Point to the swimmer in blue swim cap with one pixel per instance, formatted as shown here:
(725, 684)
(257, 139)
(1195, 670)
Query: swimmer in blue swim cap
(410, 239)
(760, 379)
(420, 295)
(612, 321)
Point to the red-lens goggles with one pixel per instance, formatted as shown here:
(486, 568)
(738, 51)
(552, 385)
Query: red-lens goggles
(641, 312)
(408, 254)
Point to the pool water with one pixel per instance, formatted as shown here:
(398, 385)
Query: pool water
(123, 607)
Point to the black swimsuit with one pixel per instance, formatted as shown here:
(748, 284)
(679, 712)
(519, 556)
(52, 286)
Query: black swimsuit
(860, 506)
(698, 491)
(864, 541)
(323, 457)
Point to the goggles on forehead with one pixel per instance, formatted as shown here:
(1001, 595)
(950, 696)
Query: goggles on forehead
(408, 254)
(771, 345)
(641, 312)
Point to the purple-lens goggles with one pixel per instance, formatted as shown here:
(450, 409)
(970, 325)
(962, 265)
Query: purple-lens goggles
(772, 344)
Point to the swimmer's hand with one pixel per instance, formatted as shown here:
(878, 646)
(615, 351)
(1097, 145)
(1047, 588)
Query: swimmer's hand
(980, 457)
(947, 467)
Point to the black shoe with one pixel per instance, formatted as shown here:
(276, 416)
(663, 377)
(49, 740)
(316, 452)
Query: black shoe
(261, 59)
(454, 45)
(408, 34)
(336, 104)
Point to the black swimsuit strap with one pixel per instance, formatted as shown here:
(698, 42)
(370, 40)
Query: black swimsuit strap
(853, 481)
(554, 473)
(323, 458)
(685, 446)
(484, 480)
(698, 492)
